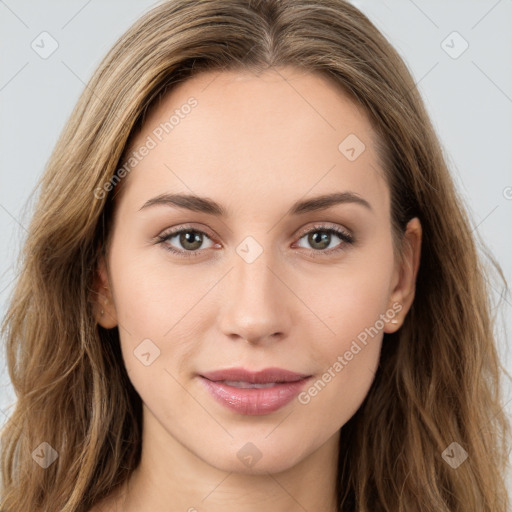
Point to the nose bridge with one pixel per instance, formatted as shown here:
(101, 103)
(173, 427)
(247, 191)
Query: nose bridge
(255, 305)
(254, 280)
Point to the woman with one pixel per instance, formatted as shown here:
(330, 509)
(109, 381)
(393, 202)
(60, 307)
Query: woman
(249, 282)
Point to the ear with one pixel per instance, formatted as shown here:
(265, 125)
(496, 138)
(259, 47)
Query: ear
(104, 307)
(404, 277)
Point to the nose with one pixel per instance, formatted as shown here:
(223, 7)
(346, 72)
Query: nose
(257, 303)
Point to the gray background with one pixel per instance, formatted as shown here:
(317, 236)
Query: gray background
(468, 94)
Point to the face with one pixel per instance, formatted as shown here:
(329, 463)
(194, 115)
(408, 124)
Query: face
(267, 277)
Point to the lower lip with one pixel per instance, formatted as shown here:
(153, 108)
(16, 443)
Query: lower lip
(254, 401)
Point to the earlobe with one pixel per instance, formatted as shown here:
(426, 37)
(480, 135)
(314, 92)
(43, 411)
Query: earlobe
(104, 307)
(405, 286)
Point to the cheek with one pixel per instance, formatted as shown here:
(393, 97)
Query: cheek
(160, 309)
(151, 308)
(348, 358)
(335, 394)
(357, 293)
(151, 294)
(349, 355)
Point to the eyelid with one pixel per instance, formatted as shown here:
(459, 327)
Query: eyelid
(185, 227)
(325, 226)
(300, 234)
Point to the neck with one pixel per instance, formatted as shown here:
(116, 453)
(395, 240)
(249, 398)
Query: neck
(170, 478)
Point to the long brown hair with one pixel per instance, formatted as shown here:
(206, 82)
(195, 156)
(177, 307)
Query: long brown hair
(439, 376)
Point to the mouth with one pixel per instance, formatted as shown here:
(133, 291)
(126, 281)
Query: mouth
(254, 393)
(247, 385)
(272, 375)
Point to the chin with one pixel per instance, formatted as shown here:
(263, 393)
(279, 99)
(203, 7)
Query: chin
(258, 458)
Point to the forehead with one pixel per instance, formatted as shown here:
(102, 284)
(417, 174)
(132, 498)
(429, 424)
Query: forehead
(235, 134)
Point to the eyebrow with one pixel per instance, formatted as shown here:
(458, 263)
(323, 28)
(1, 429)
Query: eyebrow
(206, 205)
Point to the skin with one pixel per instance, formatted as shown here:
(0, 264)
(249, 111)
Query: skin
(254, 144)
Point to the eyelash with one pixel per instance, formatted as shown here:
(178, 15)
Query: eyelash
(343, 235)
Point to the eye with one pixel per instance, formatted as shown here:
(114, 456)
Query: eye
(320, 238)
(191, 240)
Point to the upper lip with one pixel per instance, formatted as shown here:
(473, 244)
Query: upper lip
(264, 376)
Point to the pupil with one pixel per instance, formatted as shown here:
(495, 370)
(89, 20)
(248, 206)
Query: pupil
(324, 239)
(190, 237)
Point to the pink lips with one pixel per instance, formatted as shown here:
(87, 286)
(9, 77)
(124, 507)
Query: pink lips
(233, 388)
